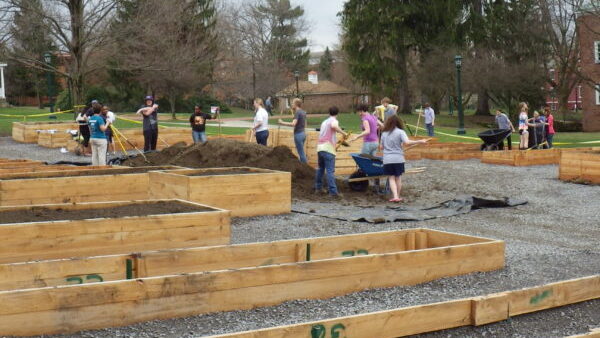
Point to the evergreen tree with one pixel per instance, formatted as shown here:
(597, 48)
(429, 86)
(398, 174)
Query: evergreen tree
(326, 64)
(379, 37)
(286, 44)
(29, 37)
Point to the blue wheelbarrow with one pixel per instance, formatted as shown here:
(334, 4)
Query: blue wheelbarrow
(369, 168)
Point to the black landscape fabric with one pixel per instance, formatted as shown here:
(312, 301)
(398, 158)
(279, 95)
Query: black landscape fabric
(381, 214)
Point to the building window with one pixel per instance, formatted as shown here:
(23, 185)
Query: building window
(597, 51)
(598, 94)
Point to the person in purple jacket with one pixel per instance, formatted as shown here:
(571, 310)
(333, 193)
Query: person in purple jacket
(369, 125)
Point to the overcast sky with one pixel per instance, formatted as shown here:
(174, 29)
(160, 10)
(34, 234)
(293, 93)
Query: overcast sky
(323, 20)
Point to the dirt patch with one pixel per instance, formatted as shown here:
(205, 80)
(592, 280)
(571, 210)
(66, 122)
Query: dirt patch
(41, 214)
(232, 153)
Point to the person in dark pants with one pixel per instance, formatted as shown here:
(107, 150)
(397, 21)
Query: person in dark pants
(84, 131)
(261, 123)
(504, 123)
(149, 112)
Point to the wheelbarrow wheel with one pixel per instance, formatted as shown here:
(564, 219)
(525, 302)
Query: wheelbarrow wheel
(360, 186)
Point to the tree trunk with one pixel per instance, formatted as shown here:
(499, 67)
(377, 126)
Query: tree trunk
(404, 89)
(483, 103)
(76, 8)
(172, 101)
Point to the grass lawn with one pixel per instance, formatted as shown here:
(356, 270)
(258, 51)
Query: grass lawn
(445, 128)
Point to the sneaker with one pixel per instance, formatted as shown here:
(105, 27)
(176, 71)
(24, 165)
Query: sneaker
(337, 196)
(319, 192)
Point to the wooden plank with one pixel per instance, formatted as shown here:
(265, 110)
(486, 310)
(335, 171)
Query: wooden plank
(489, 309)
(554, 295)
(407, 321)
(385, 324)
(594, 333)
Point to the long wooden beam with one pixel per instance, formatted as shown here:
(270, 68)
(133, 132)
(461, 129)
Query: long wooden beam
(317, 275)
(439, 316)
(44, 273)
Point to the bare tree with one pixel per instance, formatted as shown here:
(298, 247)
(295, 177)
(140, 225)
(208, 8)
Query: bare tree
(79, 28)
(175, 55)
(560, 19)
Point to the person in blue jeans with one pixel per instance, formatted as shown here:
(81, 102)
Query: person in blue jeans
(326, 152)
(198, 123)
(299, 124)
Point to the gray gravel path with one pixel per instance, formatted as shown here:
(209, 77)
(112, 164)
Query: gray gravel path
(552, 238)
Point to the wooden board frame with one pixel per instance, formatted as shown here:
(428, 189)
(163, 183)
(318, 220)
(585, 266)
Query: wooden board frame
(62, 309)
(101, 236)
(51, 187)
(258, 192)
(443, 315)
(522, 157)
(580, 166)
(27, 132)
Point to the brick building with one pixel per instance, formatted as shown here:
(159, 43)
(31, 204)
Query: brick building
(588, 26)
(318, 95)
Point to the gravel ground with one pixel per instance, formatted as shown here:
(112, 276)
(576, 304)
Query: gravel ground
(15, 150)
(554, 237)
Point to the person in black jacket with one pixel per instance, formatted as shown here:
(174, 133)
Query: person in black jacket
(149, 112)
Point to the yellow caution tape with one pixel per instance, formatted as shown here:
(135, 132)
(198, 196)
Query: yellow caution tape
(457, 136)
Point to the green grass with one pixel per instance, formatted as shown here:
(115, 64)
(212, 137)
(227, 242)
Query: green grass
(445, 124)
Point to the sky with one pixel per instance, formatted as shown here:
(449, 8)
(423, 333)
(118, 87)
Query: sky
(324, 22)
(321, 15)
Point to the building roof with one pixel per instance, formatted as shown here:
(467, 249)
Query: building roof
(308, 88)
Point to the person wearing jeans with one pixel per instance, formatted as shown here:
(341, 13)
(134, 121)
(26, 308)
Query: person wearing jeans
(98, 139)
(429, 116)
(198, 123)
(326, 152)
(261, 122)
(299, 124)
(149, 113)
(369, 126)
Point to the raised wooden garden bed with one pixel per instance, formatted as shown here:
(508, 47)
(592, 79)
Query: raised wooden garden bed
(114, 184)
(15, 164)
(27, 132)
(583, 166)
(89, 229)
(441, 316)
(245, 276)
(56, 139)
(244, 191)
(521, 157)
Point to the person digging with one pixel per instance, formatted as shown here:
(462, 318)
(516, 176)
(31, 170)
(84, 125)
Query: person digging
(326, 152)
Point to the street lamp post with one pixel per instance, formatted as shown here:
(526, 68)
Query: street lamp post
(297, 76)
(50, 80)
(461, 113)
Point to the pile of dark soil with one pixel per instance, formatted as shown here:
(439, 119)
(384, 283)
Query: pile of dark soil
(42, 214)
(231, 153)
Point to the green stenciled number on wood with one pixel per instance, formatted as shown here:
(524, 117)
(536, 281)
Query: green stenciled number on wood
(77, 279)
(128, 269)
(318, 331)
(539, 297)
(350, 253)
(308, 252)
(94, 276)
(336, 330)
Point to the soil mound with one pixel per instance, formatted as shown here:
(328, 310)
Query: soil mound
(232, 153)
